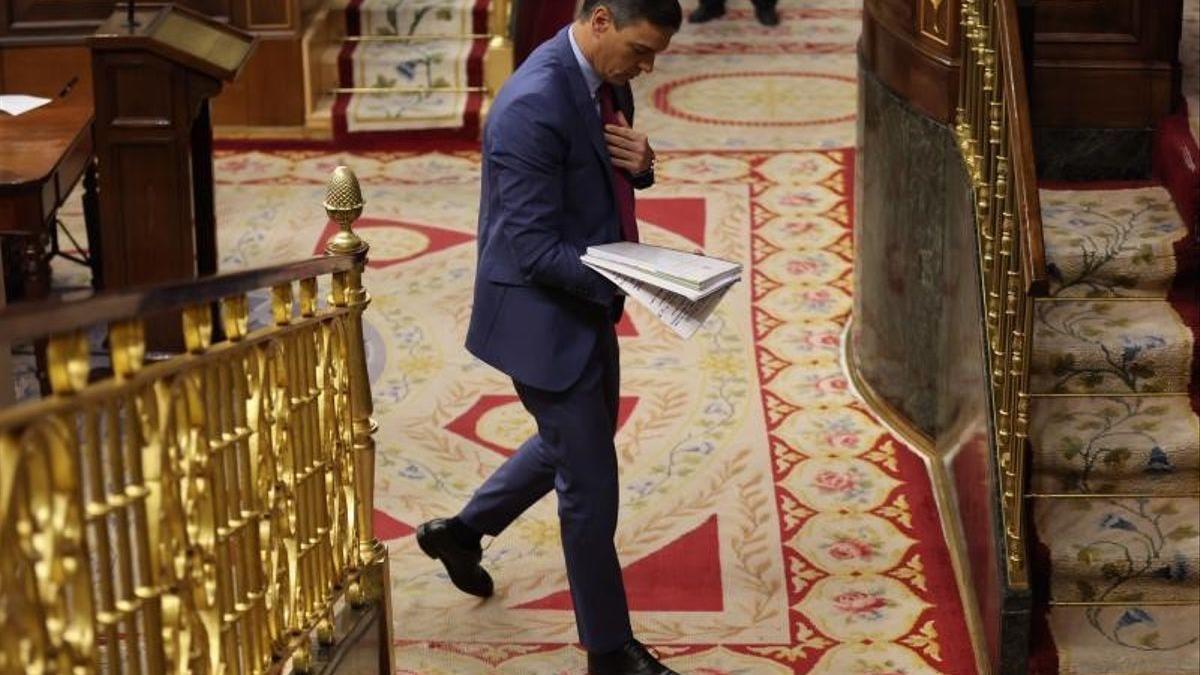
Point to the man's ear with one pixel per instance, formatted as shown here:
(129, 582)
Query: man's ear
(601, 19)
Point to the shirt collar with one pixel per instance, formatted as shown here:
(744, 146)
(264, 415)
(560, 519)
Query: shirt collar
(589, 74)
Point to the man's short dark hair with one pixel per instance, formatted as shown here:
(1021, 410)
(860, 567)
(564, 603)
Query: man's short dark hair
(661, 13)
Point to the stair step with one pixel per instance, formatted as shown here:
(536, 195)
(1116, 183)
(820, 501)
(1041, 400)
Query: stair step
(1119, 444)
(322, 112)
(415, 64)
(1109, 347)
(1131, 640)
(449, 17)
(1111, 243)
(1121, 550)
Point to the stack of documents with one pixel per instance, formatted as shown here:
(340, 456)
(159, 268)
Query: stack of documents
(680, 288)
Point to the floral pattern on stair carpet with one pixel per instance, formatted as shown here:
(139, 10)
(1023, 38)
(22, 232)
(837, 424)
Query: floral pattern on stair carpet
(1116, 348)
(429, 59)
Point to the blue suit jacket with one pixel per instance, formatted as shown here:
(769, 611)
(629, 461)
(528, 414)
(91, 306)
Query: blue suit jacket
(546, 195)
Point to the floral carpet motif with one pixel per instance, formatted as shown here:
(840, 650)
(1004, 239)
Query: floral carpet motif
(412, 44)
(1115, 348)
(769, 523)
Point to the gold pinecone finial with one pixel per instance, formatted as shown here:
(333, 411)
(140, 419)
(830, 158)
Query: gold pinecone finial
(344, 204)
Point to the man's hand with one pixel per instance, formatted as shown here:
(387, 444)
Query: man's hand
(629, 149)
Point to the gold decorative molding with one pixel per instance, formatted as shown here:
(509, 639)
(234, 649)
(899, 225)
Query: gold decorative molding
(933, 20)
(925, 448)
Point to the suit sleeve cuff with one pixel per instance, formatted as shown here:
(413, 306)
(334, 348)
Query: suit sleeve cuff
(642, 180)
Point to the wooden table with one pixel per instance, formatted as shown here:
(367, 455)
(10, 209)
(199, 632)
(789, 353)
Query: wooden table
(43, 155)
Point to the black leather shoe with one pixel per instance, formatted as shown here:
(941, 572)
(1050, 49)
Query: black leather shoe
(767, 16)
(704, 14)
(462, 562)
(632, 659)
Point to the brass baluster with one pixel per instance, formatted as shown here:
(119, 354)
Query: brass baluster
(107, 617)
(344, 204)
(200, 500)
(48, 515)
(249, 508)
(128, 348)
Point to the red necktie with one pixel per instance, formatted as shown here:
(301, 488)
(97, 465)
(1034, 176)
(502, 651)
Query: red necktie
(622, 188)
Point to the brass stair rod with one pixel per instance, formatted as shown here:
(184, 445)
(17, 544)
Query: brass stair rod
(417, 38)
(1124, 603)
(1128, 394)
(1115, 495)
(407, 90)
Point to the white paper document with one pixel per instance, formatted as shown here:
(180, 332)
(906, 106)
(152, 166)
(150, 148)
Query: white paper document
(19, 104)
(684, 316)
(643, 276)
(682, 289)
(666, 265)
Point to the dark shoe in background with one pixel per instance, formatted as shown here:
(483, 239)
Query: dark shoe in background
(767, 16)
(462, 562)
(632, 659)
(704, 14)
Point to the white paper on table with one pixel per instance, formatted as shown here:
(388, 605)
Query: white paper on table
(682, 315)
(18, 104)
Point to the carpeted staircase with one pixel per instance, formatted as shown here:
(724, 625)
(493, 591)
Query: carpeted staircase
(1116, 436)
(401, 48)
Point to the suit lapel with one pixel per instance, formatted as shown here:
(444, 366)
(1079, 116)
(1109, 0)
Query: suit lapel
(584, 102)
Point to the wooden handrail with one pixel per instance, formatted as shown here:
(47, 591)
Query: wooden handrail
(24, 322)
(1021, 141)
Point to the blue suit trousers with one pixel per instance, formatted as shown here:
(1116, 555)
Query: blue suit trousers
(572, 453)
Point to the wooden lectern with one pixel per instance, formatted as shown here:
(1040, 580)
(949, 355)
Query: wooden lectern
(153, 138)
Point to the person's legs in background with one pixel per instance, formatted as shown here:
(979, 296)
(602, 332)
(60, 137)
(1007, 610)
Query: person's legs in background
(707, 11)
(764, 11)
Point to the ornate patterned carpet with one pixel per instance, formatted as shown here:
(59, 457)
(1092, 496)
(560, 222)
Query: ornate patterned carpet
(769, 524)
(1115, 350)
(412, 43)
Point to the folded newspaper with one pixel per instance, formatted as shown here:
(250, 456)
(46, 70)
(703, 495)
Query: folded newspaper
(681, 289)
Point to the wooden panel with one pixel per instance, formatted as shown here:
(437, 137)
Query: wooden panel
(24, 14)
(270, 14)
(1100, 96)
(270, 90)
(140, 94)
(1114, 17)
(1108, 29)
(44, 71)
(898, 45)
(1105, 63)
(147, 192)
(79, 18)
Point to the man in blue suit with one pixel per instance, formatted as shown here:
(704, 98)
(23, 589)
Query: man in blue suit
(560, 163)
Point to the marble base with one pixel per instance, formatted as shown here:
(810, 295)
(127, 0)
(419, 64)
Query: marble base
(917, 336)
(1092, 154)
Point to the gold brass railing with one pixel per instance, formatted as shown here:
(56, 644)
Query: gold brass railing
(995, 140)
(204, 513)
(498, 60)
